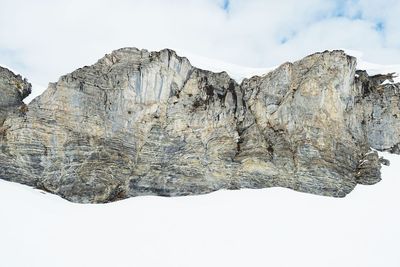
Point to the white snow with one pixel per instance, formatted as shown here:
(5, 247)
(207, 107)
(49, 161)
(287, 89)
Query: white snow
(235, 71)
(267, 227)
(387, 82)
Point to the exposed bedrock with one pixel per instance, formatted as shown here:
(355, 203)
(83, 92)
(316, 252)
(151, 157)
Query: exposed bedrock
(148, 123)
(13, 89)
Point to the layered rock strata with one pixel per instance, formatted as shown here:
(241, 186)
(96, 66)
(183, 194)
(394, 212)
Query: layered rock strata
(148, 123)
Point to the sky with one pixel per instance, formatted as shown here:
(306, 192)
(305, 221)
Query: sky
(45, 39)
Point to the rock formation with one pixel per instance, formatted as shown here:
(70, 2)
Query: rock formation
(13, 89)
(148, 123)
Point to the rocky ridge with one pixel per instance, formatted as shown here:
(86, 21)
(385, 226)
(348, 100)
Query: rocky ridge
(149, 123)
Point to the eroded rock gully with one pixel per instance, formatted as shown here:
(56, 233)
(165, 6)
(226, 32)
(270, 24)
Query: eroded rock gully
(148, 123)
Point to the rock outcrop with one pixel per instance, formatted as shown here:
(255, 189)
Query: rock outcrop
(148, 123)
(13, 89)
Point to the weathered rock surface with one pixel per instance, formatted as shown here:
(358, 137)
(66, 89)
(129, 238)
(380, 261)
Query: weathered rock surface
(148, 123)
(13, 89)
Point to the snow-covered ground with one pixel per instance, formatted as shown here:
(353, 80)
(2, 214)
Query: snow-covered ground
(268, 227)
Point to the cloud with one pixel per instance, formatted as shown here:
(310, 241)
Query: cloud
(49, 38)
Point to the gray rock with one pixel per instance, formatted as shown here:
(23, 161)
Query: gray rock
(148, 123)
(13, 89)
(380, 106)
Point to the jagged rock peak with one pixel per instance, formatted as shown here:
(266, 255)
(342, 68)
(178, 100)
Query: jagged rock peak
(13, 89)
(14, 84)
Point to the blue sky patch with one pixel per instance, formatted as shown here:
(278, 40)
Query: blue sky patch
(226, 5)
(380, 26)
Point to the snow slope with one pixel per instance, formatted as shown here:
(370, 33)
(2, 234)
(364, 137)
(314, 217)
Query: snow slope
(268, 227)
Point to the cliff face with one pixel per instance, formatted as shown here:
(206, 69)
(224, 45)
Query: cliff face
(149, 123)
(13, 89)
